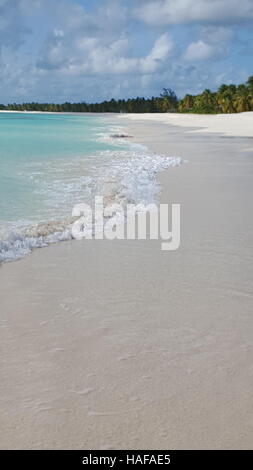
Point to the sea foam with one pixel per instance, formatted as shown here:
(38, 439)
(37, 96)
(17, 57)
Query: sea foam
(124, 175)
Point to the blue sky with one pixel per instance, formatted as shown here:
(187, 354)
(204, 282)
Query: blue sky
(91, 50)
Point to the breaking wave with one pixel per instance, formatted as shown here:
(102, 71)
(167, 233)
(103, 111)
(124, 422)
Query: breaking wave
(124, 175)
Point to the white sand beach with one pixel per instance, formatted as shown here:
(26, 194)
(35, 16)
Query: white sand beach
(234, 125)
(118, 345)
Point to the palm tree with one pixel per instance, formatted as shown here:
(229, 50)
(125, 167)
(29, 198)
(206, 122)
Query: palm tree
(250, 89)
(249, 82)
(205, 102)
(168, 100)
(242, 99)
(222, 89)
(225, 100)
(186, 104)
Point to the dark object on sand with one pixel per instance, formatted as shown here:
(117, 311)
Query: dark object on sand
(121, 136)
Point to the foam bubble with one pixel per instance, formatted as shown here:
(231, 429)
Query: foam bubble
(18, 245)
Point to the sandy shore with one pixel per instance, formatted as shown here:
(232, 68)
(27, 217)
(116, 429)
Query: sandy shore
(120, 345)
(234, 125)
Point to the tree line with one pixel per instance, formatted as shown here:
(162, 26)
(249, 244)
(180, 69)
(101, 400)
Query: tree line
(227, 99)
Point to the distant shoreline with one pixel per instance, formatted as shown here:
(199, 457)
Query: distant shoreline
(227, 99)
(54, 112)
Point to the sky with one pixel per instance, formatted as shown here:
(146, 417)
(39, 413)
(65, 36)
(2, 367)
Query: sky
(92, 50)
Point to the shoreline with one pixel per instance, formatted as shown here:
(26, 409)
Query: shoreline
(58, 112)
(113, 345)
(134, 167)
(233, 124)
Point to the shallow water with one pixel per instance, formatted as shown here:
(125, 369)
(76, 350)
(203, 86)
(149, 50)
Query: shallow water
(50, 162)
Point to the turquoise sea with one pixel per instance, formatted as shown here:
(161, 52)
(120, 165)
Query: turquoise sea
(50, 162)
(38, 151)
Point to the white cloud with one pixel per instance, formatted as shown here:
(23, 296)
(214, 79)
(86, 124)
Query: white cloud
(93, 55)
(212, 44)
(161, 50)
(194, 11)
(199, 50)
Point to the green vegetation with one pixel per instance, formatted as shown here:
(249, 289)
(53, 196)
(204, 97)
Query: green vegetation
(228, 99)
(165, 103)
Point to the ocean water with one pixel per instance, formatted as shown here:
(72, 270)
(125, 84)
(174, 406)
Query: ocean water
(50, 162)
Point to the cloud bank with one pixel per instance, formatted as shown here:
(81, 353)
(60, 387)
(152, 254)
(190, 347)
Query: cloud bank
(78, 50)
(195, 11)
